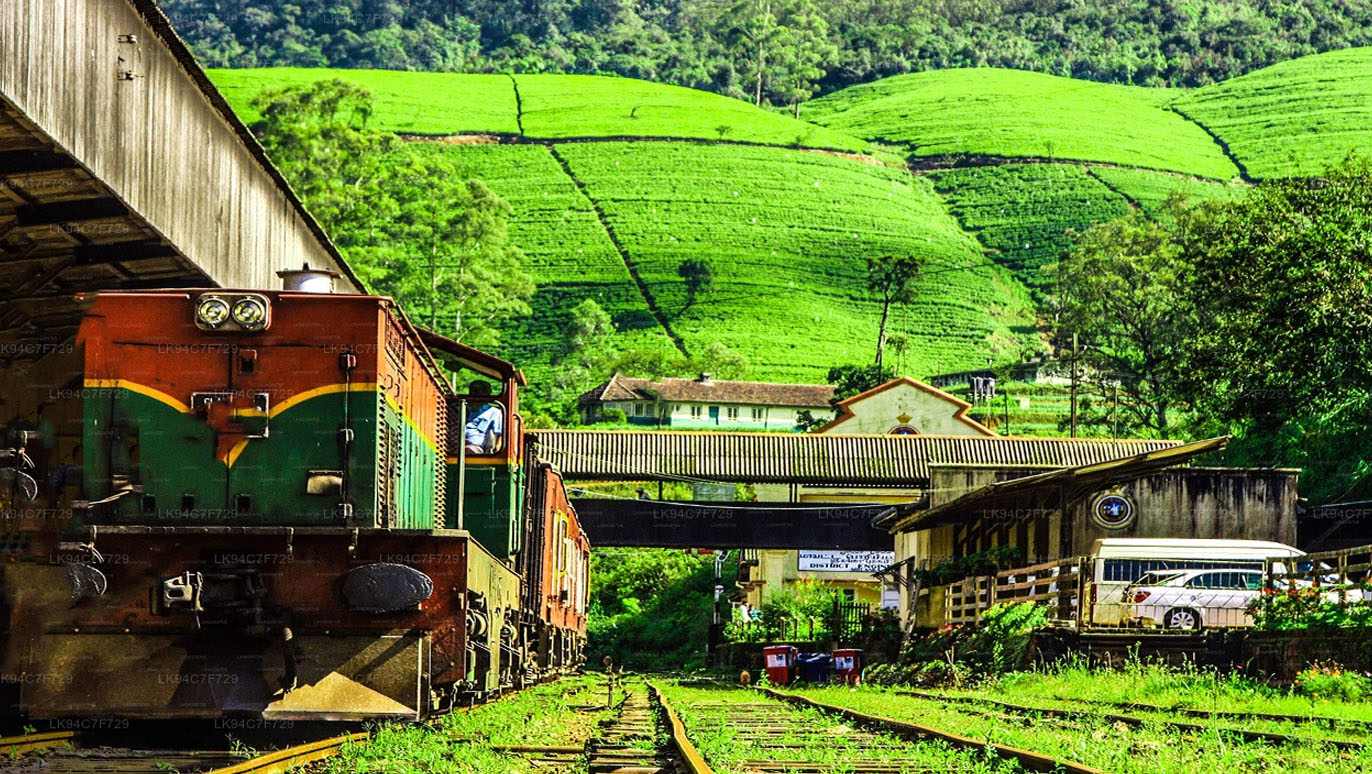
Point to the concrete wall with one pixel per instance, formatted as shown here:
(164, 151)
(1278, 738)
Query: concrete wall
(1225, 503)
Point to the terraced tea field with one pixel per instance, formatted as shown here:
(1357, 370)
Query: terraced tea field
(405, 102)
(1011, 113)
(1024, 212)
(614, 177)
(542, 106)
(1292, 118)
(1149, 190)
(786, 233)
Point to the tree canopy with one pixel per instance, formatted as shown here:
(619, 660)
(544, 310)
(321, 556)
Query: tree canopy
(790, 47)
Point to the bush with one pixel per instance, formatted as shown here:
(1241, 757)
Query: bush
(1001, 640)
(1332, 681)
(612, 416)
(1304, 609)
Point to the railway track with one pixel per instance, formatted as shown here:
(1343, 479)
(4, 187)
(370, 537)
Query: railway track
(1133, 721)
(70, 752)
(772, 733)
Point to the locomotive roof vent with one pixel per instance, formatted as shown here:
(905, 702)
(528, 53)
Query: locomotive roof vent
(307, 280)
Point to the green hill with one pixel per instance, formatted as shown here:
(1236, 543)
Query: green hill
(1011, 113)
(543, 106)
(616, 182)
(1292, 118)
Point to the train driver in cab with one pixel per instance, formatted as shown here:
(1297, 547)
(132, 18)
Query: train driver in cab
(485, 426)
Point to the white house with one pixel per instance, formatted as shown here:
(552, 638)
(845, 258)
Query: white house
(706, 403)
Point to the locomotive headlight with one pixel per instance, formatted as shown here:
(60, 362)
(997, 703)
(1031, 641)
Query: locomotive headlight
(250, 313)
(212, 311)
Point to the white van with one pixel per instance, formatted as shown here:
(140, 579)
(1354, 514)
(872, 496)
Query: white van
(1118, 562)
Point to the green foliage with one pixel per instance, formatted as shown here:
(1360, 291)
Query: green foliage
(650, 608)
(1332, 681)
(891, 278)
(800, 610)
(1291, 119)
(849, 380)
(698, 277)
(413, 227)
(1313, 608)
(1282, 350)
(1001, 640)
(1122, 287)
(1021, 114)
(1164, 42)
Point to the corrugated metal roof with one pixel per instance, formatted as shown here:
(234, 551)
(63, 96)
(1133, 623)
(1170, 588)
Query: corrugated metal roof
(829, 459)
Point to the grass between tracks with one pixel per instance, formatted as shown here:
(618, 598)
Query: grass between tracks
(1150, 683)
(561, 714)
(1152, 749)
(812, 738)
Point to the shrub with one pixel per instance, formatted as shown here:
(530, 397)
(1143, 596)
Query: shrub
(1332, 681)
(1316, 608)
(1001, 640)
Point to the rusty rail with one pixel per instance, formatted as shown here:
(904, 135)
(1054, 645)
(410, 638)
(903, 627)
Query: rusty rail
(11, 746)
(1028, 759)
(1132, 721)
(689, 755)
(280, 761)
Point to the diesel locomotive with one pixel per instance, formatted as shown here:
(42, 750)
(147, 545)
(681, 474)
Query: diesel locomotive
(276, 504)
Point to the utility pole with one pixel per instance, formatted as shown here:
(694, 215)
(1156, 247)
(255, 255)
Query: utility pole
(1073, 397)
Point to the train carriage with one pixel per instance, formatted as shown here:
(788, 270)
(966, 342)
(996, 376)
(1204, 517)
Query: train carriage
(276, 513)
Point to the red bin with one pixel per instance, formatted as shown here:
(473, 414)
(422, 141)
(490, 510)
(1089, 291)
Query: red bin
(781, 663)
(848, 665)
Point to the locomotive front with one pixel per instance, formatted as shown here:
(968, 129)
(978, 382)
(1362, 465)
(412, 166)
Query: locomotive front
(266, 525)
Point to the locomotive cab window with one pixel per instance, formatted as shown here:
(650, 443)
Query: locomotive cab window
(487, 424)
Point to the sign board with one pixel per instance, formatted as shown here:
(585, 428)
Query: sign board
(714, 493)
(846, 561)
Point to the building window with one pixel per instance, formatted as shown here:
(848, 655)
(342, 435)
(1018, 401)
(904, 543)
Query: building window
(640, 409)
(758, 413)
(695, 412)
(732, 412)
(849, 595)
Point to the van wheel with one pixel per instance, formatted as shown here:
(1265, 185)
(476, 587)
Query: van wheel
(1182, 618)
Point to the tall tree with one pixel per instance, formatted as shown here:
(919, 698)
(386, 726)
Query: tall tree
(891, 278)
(698, 276)
(782, 46)
(1120, 290)
(411, 223)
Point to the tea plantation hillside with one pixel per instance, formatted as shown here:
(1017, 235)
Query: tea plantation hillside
(1011, 113)
(616, 182)
(542, 106)
(1292, 118)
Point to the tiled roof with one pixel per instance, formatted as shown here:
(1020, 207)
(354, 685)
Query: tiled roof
(621, 387)
(830, 459)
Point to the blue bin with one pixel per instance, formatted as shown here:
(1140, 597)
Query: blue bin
(814, 667)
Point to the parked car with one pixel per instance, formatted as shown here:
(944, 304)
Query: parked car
(1117, 563)
(1193, 599)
